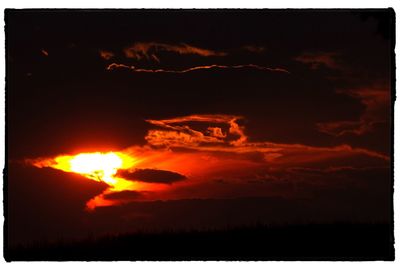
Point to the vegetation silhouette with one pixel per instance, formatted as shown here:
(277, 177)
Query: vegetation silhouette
(335, 241)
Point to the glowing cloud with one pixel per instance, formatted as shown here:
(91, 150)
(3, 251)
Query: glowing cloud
(114, 66)
(142, 50)
(107, 55)
(96, 166)
(152, 51)
(176, 132)
(191, 151)
(100, 167)
(183, 135)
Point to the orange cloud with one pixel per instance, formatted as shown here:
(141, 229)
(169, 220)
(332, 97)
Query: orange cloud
(184, 136)
(216, 132)
(107, 55)
(193, 151)
(317, 60)
(149, 50)
(113, 66)
(119, 66)
(376, 101)
(176, 132)
(176, 138)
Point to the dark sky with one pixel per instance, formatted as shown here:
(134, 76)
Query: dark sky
(309, 93)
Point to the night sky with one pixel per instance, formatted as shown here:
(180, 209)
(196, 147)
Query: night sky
(236, 117)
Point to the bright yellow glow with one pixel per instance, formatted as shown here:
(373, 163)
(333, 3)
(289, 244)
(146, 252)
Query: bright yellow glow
(101, 167)
(97, 166)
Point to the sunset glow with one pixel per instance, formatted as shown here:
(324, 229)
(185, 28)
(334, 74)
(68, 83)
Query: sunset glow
(150, 172)
(135, 134)
(101, 167)
(96, 166)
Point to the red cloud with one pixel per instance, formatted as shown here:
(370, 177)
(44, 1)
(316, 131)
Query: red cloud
(44, 52)
(106, 54)
(316, 60)
(113, 66)
(183, 135)
(199, 149)
(254, 49)
(149, 50)
(376, 101)
(176, 132)
(216, 132)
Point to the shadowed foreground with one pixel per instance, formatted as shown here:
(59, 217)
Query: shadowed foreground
(290, 242)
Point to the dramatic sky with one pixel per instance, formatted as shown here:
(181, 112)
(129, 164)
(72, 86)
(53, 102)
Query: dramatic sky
(225, 118)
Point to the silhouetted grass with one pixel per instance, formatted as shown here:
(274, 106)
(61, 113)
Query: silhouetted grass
(343, 241)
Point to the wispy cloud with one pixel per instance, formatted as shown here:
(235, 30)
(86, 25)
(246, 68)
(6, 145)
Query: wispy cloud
(375, 101)
(151, 176)
(253, 48)
(107, 55)
(154, 51)
(114, 66)
(317, 60)
(44, 52)
(183, 135)
(231, 137)
(150, 50)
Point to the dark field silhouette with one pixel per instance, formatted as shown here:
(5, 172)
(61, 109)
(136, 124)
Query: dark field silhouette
(342, 241)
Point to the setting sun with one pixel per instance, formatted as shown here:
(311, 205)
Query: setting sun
(96, 166)
(102, 167)
(195, 134)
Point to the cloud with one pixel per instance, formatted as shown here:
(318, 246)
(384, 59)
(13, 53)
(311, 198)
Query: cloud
(184, 135)
(133, 68)
(123, 195)
(177, 138)
(210, 147)
(58, 197)
(216, 132)
(152, 176)
(374, 95)
(176, 132)
(44, 52)
(340, 169)
(376, 101)
(253, 48)
(339, 128)
(377, 179)
(107, 55)
(150, 50)
(320, 59)
(41, 162)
